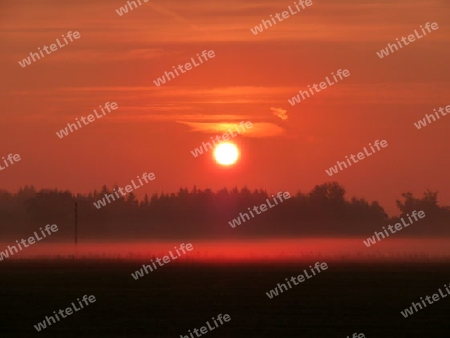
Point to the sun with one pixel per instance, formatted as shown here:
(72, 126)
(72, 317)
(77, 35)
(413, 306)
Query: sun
(226, 153)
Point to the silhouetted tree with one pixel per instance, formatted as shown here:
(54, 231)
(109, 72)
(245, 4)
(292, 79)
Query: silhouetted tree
(324, 211)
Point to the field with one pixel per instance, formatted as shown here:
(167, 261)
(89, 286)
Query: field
(346, 298)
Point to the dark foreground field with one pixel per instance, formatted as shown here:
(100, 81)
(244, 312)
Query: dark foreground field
(346, 298)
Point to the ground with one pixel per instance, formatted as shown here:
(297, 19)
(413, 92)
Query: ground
(346, 298)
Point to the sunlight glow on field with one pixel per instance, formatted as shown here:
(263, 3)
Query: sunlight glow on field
(299, 249)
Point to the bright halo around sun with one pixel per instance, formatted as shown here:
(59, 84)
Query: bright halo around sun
(226, 154)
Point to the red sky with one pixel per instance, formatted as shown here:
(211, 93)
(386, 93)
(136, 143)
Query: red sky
(117, 58)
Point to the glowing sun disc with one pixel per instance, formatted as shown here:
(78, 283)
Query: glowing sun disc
(226, 153)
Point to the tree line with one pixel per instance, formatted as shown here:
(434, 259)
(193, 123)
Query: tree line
(193, 214)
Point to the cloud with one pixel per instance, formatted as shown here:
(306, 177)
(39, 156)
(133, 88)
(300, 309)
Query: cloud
(172, 14)
(148, 113)
(279, 112)
(258, 130)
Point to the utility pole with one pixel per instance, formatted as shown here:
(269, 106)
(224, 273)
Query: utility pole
(76, 223)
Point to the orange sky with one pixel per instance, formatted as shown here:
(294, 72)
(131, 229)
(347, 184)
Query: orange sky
(117, 58)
